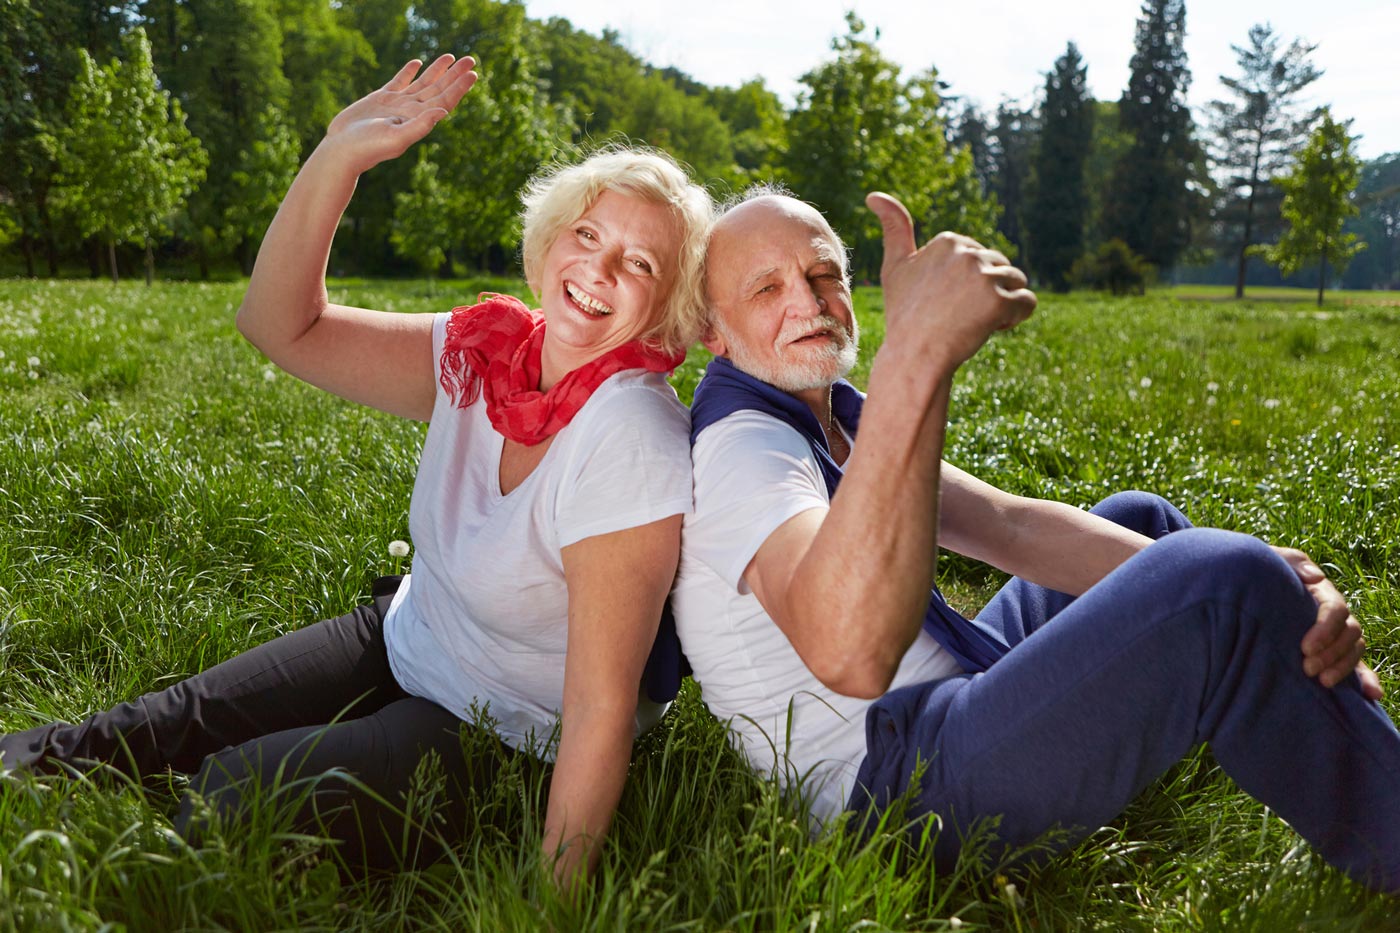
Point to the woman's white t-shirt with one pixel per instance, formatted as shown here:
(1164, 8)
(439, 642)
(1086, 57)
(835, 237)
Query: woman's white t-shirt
(482, 621)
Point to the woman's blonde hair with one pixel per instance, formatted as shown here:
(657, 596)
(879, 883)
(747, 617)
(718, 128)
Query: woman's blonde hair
(557, 197)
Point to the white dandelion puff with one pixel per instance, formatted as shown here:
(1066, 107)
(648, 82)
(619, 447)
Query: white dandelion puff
(33, 362)
(1271, 403)
(269, 375)
(1212, 387)
(1146, 382)
(398, 548)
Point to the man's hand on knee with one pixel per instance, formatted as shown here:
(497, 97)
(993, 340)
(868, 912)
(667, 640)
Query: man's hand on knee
(1332, 648)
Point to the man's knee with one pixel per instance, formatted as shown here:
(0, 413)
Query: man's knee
(1239, 573)
(1143, 512)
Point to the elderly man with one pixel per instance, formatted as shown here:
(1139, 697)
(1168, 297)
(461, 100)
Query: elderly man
(1125, 638)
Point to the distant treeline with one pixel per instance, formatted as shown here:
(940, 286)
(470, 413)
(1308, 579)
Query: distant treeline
(219, 101)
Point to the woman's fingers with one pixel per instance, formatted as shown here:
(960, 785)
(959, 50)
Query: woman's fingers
(423, 87)
(405, 76)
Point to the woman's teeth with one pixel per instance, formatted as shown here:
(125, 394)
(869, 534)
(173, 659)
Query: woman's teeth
(587, 302)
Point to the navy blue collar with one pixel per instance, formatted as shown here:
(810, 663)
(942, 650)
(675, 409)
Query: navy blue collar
(726, 389)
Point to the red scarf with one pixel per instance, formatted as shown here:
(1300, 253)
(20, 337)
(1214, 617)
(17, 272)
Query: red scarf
(495, 346)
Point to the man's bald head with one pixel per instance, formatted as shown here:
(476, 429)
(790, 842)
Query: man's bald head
(753, 216)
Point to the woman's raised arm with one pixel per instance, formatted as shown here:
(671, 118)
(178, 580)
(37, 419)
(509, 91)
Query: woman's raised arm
(372, 357)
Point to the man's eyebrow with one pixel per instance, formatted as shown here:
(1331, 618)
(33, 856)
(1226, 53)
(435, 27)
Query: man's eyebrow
(748, 283)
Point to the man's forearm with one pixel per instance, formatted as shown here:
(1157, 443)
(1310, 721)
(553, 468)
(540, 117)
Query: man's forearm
(870, 567)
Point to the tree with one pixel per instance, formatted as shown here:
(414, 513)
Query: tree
(1378, 224)
(500, 133)
(322, 55)
(39, 45)
(223, 61)
(857, 128)
(972, 133)
(1013, 141)
(757, 124)
(126, 160)
(1257, 131)
(423, 217)
(1150, 202)
(1317, 200)
(1059, 204)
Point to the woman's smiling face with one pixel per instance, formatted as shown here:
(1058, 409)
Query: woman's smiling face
(606, 278)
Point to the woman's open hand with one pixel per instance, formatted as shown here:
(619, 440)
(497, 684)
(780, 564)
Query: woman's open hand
(384, 123)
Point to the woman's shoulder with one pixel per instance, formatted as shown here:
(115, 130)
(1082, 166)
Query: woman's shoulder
(635, 396)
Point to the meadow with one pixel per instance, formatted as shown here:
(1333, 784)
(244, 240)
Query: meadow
(168, 499)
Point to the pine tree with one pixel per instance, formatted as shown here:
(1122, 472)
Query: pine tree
(1149, 203)
(1058, 207)
(1257, 131)
(1317, 200)
(1013, 142)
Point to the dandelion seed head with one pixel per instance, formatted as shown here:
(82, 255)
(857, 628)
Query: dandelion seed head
(33, 362)
(33, 374)
(1145, 382)
(1271, 403)
(1212, 387)
(398, 548)
(1210, 399)
(955, 923)
(269, 375)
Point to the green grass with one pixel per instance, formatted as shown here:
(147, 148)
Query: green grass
(169, 500)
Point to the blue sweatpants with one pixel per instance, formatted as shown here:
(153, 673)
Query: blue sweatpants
(1194, 639)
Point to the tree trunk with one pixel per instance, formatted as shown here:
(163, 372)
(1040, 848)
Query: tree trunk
(52, 249)
(93, 247)
(1244, 247)
(150, 263)
(112, 258)
(1321, 279)
(26, 245)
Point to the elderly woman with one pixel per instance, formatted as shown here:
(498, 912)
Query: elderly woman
(546, 511)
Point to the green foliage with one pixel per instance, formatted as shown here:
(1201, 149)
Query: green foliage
(170, 499)
(757, 123)
(1378, 225)
(1115, 267)
(1014, 141)
(1256, 132)
(859, 127)
(126, 160)
(1059, 205)
(322, 55)
(223, 60)
(1317, 200)
(422, 223)
(608, 94)
(1149, 204)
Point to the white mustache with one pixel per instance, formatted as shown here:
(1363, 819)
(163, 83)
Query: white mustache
(800, 329)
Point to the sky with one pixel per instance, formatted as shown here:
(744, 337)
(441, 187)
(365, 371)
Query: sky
(988, 52)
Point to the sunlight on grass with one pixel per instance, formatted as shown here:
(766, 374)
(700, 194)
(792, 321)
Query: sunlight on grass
(170, 499)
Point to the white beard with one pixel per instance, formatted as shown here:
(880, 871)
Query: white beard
(814, 367)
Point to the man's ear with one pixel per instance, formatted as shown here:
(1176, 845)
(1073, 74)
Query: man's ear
(712, 341)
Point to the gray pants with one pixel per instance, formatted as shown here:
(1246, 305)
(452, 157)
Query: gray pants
(315, 714)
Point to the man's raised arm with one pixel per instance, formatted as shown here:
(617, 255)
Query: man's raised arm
(849, 586)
